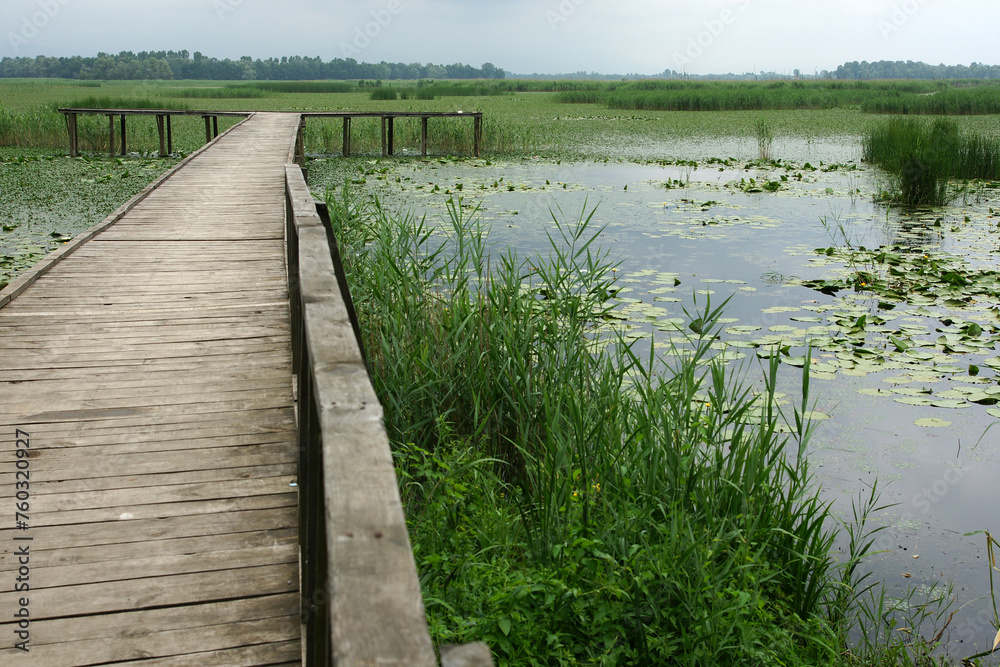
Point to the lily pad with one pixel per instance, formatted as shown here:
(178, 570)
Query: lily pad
(932, 422)
(914, 400)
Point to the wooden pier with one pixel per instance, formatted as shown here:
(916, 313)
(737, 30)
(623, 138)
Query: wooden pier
(167, 502)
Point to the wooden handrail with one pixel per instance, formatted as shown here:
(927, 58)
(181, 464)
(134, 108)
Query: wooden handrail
(212, 126)
(361, 598)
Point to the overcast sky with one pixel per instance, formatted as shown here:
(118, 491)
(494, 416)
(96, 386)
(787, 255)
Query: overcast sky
(522, 36)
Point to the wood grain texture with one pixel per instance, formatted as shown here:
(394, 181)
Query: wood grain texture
(151, 366)
(376, 608)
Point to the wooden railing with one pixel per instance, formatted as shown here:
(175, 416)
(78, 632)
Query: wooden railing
(164, 126)
(361, 598)
(388, 126)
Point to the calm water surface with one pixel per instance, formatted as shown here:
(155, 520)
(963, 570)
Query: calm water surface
(720, 241)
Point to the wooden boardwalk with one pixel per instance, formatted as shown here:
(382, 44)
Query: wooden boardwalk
(149, 375)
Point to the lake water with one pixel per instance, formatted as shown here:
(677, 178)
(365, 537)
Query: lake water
(915, 420)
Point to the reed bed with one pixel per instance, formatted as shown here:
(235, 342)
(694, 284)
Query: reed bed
(924, 97)
(922, 158)
(569, 502)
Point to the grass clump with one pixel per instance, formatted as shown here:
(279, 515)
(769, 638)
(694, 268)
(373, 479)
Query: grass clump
(383, 93)
(321, 87)
(922, 158)
(214, 93)
(136, 102)
(569, 502)
(765, 140)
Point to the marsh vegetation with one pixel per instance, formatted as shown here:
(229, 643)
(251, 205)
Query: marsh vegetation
(600, 463)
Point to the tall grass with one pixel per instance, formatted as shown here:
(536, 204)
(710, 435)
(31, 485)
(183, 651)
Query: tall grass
(765, 140)
(223, 93)
(927, 97)
(921, 158)
(323, 87)
(132, 102)
(976, 100)
(384, 93)
(571, 503)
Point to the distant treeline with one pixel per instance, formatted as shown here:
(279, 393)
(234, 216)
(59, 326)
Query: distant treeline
(888, 69)
(183, 65)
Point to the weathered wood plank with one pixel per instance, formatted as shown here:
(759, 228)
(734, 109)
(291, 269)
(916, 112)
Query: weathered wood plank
(152, 368)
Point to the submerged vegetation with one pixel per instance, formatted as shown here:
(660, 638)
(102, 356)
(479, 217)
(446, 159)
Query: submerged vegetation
(571, 503)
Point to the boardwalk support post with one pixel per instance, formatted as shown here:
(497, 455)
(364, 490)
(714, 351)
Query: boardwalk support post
(478, 134)
(160, 130)
(74, 137)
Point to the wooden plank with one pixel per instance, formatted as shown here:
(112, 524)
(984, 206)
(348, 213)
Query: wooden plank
(151, 532)
(163, 510)
(146, 624)
(152, 368)
(112, 558)
(261, 419)
(154, 489)
(137, 569)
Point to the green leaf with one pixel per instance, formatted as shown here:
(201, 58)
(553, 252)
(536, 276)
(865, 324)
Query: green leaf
(504, 624)
(901, 345)
(932, 422)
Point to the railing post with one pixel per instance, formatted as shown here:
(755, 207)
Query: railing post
(391, 137)
(384, 147)
(208, 129)
(215, 126)
(170, 136)
(477, 134)
(300, 144)
(160, 131)
(123, 134)
(74, 139)
(111, 135)
(423, 135)
(347, 136)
